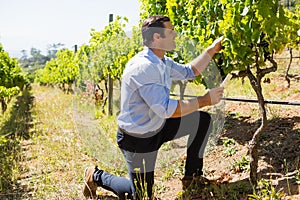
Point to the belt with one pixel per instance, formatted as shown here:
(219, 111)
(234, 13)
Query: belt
(146, 135)
(122, 131)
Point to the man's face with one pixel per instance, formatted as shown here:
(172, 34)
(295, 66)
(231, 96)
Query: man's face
(166, 43)
(169, 40)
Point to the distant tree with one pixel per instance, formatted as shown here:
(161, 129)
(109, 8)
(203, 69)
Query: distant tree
(53, 48)
(35, 53)
(24, 55)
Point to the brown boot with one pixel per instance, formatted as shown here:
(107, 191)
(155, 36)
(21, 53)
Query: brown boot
(194, 181)
(90, 187)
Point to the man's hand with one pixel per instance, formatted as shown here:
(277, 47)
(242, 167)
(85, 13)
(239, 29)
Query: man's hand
(215, 47)
(215, 95)
(200, 63)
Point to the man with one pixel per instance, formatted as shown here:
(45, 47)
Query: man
(149, 118)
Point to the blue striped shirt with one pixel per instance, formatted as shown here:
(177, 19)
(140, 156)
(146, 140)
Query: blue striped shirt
(145, 92)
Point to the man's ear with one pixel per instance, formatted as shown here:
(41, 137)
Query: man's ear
(156, 36)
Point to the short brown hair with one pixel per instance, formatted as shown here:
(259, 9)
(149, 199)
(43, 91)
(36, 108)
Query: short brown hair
(153, 24)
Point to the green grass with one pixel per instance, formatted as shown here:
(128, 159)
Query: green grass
(57, 154)
(51, 141)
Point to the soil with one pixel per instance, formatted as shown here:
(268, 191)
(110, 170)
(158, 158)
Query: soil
(279, 148)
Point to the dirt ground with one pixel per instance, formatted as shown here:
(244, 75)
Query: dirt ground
(279, 149)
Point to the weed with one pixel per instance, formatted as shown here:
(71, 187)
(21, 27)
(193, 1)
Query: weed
(176, 168)
(168, 174)
(236, 115)
(285, 95)
(254, 112)
(295, 90)
(228, 142)
(265, 190)
(241, 165)
(141, 185)
(229, 151)
(166, 146)
(160, 188)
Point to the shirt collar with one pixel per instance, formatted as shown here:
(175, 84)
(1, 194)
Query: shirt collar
(153, 56)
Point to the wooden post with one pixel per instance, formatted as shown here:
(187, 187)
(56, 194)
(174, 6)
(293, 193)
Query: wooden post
(110, 84)
(75, 48)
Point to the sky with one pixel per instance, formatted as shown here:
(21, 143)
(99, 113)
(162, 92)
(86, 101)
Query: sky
(39, 23)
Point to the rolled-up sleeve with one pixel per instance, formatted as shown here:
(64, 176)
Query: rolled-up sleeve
(157, 98)
(179, 71)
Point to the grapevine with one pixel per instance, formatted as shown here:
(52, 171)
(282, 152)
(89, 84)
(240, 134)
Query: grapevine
(12, 79)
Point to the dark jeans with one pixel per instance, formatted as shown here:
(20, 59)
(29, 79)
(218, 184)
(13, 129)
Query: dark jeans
(141, 153)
